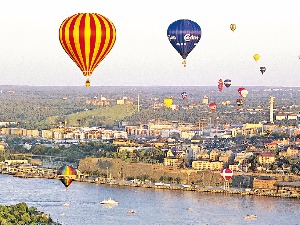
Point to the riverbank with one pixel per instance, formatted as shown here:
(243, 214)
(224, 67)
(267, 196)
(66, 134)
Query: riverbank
(284, 192)
(195, 188)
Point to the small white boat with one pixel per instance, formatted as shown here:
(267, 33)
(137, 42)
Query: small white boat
(250, 216)
(66, 204)
(109, 201)
(131, 211)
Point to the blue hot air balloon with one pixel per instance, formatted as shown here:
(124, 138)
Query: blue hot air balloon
(227, 83)
(184, 35)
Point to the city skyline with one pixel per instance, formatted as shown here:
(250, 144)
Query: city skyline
(31, 53)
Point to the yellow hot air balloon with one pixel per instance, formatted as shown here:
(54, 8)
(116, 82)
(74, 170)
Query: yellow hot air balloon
(256, 57)
(168, 102)
(232, 27)
(87, 38)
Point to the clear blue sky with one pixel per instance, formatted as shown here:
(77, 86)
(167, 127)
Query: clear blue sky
(31, 54)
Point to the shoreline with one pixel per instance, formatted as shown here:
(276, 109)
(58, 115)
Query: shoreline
(196, 188)
(181, 187)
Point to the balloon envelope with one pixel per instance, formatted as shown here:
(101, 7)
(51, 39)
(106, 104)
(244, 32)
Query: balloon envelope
(184, 35)
(256, 57)
(227, 83)
(232, 27)
(213, 106)
(184, 95)
(220, 85)
(87, 38)
(243, 92)
(226, 174)
(168, 102)
(262, 70)
(66, 174)
(240, 102)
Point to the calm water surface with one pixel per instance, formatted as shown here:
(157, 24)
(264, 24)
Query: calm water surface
(152, 206)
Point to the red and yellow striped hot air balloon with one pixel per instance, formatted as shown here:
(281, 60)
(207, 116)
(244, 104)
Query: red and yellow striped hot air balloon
(87, 38)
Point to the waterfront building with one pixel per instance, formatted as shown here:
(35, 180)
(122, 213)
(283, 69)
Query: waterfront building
(264, 182)
(290, 187)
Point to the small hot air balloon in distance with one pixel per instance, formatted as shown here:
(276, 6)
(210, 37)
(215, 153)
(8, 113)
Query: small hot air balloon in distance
(256, 57)
(66, 174)
(232, 27)
(243, 92)
(240, 102)
(227, 83)
(213, 106)
(220, 85)
(168, 102)
(87, 38)
(262, 70)
(226, 174)
(184, 95)
(184, 35)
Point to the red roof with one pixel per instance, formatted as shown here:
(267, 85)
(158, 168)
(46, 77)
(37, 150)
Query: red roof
(267, 154)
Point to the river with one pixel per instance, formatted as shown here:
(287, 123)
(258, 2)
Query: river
(151, 206)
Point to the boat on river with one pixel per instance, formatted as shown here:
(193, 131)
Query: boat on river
(109, 201)
(250, 216)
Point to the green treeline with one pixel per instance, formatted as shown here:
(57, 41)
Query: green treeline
(21, 214)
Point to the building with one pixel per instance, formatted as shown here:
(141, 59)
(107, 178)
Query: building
(266, 158)
(214, 155)
(207, 165)
(290, 152)
(292, 116)
(280, 116)
(292, 187)
(264, 182)
(271, 146)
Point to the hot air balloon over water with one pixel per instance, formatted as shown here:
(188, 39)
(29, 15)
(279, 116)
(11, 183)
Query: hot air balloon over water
(66, 175)
(87, 38)
(184, 35)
